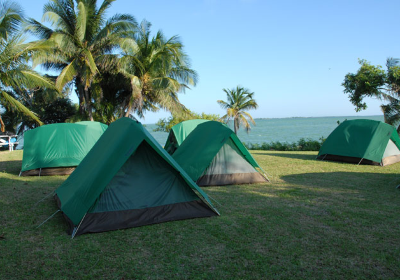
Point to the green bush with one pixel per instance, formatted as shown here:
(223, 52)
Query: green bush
(301, 145)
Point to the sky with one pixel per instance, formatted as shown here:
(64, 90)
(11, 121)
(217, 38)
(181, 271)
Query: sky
(292, 54)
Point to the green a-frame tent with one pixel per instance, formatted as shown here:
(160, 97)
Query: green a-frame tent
(56, 149)
(362, 141)
(129, 180)
(213, 155)
(179, 132)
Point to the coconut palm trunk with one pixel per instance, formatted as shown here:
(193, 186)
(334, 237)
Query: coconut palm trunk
(236, 124)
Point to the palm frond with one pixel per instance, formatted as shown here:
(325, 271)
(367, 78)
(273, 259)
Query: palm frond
(223, 104)
(36, 28)
(244, 122)
(90, 61)
(66, 75)
(81, 21)
(11, 17)
(19, 106)
(249, 117)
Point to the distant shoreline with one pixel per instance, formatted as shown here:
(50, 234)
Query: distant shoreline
(289, 130)
(319, 117)
(366, 116)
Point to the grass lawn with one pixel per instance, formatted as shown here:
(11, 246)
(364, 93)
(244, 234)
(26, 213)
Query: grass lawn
(315, 220)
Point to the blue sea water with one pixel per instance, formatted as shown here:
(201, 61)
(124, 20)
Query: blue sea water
(283, 130)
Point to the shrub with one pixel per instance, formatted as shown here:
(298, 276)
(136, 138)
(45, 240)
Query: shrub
(301, 145)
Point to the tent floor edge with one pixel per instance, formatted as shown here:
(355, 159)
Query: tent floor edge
(347, 159)
(231, 179)
(49, 171)
(390, 160)
(115, 220)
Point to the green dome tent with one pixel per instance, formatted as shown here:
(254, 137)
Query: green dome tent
(129, 180)
(179, 132)
(363, 142)
(56, 149)
(213, 155)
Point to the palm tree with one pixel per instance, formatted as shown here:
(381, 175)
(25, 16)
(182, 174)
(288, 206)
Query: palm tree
(239, 100)
(158, 69)
(82, 44)
(15, 74)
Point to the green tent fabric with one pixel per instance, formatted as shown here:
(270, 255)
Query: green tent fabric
(179, 132)
(362, 141)
(58, 145)
(213, 145)
(129, 180)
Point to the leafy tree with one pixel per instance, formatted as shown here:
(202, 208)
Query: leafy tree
(167, 123)
(82, 44)
(238, 100)
(157, 69)
(50, 105)
(15, 73)
(373, 81)
(115, 88)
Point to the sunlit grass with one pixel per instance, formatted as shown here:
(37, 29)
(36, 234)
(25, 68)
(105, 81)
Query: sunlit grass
(315, 220)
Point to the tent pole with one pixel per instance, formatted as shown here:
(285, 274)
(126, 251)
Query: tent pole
(266, 177)
(76, 229)
(262, 173)
(40, 171)
(324, 156)
(46, 196)
(48, 218)
(20, 173)
(214, 200)
(360, 161)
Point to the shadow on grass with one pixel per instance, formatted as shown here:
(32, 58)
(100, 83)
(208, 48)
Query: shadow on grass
(365, 181)
(11, 166)
(290, 155)
(289, 234)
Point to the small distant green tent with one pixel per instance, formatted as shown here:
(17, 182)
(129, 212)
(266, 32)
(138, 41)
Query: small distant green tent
(179, 132)
(213, 155)
(363, 142)
(56, 149)
(129, 180)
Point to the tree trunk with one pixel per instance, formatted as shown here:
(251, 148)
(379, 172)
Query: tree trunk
(2, 125)
(88, 103)
(81, 96)
(235, 124)
(85, 102)
(90, 114)
(81, 105)
(127, 111)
